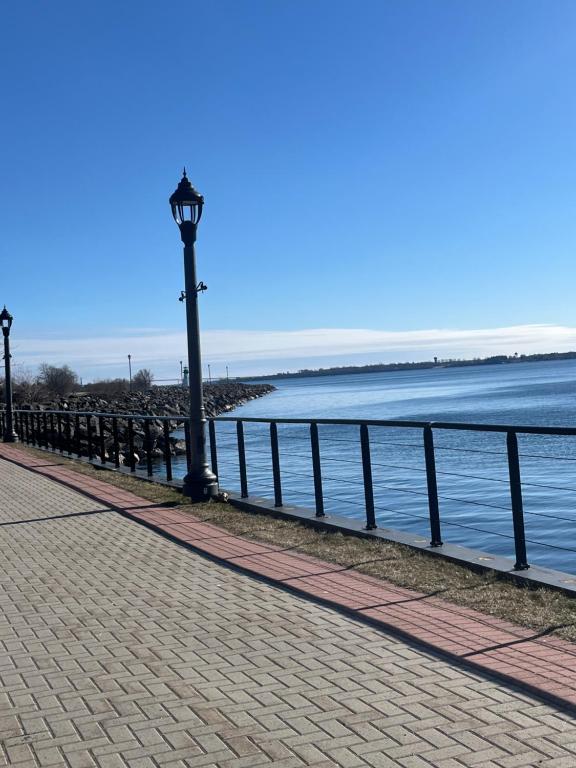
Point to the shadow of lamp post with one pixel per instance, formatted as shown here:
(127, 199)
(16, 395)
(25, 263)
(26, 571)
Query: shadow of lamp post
(200, 483)
(6, 322)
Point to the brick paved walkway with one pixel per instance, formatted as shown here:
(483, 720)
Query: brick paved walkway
(120, 647)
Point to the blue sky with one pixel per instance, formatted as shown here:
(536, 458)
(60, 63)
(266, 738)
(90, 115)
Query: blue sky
(373, 172)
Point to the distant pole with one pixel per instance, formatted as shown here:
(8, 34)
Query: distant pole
(227, 377)
(200, 483)
(181, 373)
(6, 322)
(209, 374)
(130, 371)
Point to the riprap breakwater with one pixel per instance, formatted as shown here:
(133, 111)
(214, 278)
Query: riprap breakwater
(57, 423)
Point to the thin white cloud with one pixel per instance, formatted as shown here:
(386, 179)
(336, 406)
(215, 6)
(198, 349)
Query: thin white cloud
(251, 352)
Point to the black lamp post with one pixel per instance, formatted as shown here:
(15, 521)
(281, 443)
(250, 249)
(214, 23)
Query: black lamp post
(200, 483)
(130, 372)
(6, 322)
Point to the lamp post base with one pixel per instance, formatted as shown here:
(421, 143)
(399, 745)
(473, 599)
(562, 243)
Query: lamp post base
(200, 487)
(10, 437)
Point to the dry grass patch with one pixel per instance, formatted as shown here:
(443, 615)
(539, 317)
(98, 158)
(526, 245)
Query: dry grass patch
(541, 609)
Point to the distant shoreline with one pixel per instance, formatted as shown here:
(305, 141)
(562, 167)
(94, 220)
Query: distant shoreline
(423, 365)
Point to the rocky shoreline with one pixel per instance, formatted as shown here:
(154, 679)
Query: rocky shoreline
(119, 439)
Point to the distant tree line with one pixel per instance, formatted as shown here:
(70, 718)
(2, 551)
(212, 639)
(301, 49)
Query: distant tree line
(435, 363)
(53, 380)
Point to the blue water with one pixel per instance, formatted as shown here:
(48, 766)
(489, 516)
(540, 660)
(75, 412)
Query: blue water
(472, 467)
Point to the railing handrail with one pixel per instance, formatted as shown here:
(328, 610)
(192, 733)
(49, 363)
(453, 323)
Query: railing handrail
(504, 428)
(399, 423)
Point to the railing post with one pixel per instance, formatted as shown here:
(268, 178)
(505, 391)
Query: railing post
(45, 428)
(275, 464)
(435, 533)
(167, 455)
(213, 446)
(68, 435)
(148, 447)
(77, 438)
(521, 563)
(52, 432)
(131, 446)
(367, 474)
(59, 427)
(32, 429)
(116, 442)
(317, 470)
(242, 459)
(102, 440)
(89, 436)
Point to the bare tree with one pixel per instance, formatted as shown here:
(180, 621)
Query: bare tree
(58, 380)
(143, 379)
(26, 388)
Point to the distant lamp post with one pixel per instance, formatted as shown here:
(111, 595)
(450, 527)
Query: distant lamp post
(209, 374)
(6, 322)
(200, 483)
(130, 372)
(181, 373)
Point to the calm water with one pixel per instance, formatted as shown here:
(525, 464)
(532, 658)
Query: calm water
(472, 467)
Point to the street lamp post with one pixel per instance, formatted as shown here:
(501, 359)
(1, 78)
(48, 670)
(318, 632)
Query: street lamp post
(181, 373)
(200, 483)
(6, 322)
(130, 372)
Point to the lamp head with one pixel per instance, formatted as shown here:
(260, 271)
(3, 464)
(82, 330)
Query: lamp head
(5, 321)
(186, 203)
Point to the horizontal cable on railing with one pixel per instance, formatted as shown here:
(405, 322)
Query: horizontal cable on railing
(472, 477)
(469, 450)
(475, 528)
(538, 456)
(550, 487)
(441, 496)
(475, 503)
(357, 504)
(395, 443)
(285, 436)
(550, 517)
(550, 546)
(380, 508)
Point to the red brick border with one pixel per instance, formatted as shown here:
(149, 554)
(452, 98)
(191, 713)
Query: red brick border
(543, 664)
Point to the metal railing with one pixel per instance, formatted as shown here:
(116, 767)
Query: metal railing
(131, 441)
(426, 430)
(146, 444)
